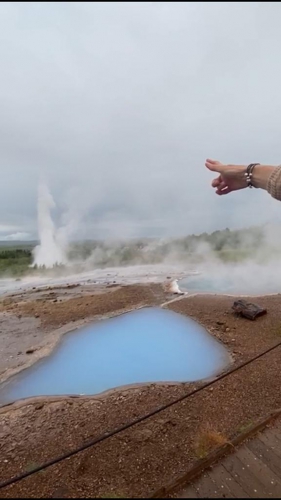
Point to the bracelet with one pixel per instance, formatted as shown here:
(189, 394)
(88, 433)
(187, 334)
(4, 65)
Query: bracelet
(249, 173)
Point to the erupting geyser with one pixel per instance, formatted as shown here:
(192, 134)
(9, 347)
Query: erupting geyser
(49, 252)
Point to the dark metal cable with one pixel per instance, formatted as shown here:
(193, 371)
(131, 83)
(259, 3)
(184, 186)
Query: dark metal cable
(138, 420)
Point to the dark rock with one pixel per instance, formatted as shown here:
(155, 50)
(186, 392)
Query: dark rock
(39, 406)
(247, 309)
(30, 351)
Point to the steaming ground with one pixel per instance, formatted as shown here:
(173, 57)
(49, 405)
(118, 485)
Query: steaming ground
(248, 278)
(36, 311)
(108, 276)
(259, 274)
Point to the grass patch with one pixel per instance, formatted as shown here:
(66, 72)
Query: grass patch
(31, 466)
(15, 261)
(245, 427)
(208, 440)
(277, 331)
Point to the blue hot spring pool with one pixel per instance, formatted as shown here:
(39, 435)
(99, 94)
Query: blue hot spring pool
(147, 345)
(201, 284)
(253, 280)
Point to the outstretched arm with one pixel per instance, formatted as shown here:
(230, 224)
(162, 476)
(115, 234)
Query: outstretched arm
(232, 178)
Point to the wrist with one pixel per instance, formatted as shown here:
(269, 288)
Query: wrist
(260, 175)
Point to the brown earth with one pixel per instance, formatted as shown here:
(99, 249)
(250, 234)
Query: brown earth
(54, 309)
(139, 460)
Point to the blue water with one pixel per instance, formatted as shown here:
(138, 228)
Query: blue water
(148, 345)
(199, 284)
(260, 281)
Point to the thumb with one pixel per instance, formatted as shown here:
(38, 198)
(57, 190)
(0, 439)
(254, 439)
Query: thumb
(214, 165)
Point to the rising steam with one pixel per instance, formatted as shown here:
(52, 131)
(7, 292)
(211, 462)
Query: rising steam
(50, 251)
(245, 261)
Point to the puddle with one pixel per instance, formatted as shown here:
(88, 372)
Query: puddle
(147, 345)
(242, 285)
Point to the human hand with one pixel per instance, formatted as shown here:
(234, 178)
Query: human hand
(231, 177)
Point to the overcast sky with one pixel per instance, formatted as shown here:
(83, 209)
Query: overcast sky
(118, 105)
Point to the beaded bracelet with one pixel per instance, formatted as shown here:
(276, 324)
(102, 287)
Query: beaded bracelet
(249, 173)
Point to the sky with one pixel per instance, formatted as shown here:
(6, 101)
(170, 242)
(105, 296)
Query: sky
(117, 106)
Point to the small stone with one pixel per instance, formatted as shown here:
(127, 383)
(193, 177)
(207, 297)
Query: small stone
(30, 351)
(39, 406)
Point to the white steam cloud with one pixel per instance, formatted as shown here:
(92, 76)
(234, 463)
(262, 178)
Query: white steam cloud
(239, 262)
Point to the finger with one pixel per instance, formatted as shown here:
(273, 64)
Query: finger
(222, 185)
(216, 182)
(220, 192)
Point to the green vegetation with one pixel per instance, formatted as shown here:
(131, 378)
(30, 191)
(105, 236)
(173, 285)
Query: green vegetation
(245, 427)
(14, 261)
(226, 245)
(208, 440)
(31, 466)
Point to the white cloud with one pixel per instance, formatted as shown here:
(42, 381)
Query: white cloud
(17, 237)
(4, 228)
(119, 104)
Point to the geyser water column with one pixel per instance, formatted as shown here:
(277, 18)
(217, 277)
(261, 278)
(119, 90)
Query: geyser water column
(49, 252)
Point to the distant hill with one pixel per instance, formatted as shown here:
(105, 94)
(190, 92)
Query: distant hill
(18, 244)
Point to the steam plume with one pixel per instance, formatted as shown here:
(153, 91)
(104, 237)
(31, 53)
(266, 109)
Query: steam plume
(49, 252)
